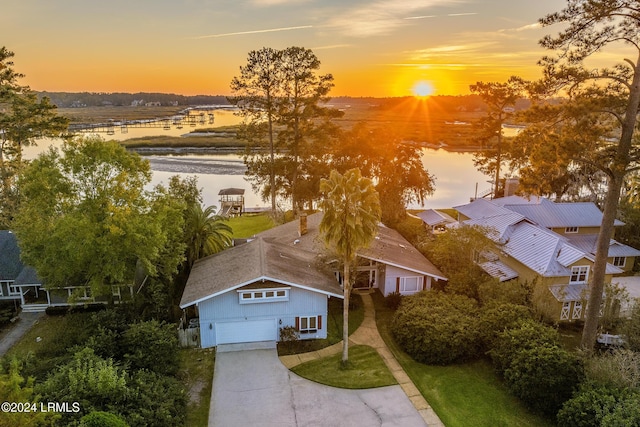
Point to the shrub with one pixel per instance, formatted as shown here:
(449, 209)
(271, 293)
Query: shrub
(528, 334)
(588, 407)
(632, 329)
(102, 419)
(543, 377)
(151, 345)
(617, 369)
(95, 383)
(495, 317)
(437, 328)
(155, 401)
(625, 414)
(393, 300)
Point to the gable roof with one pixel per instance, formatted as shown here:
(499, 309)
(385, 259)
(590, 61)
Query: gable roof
(481, 208)
(555, 215)
(587, 243)
(260, 259)
(432, 217)
(388, 247)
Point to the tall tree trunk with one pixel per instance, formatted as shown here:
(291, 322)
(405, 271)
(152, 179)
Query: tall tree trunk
(272, 171)
(616, 179)
(346, 288)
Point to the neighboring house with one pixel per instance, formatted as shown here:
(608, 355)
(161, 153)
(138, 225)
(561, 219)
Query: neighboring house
(21, 283)
(546, 243)
(282, 277)
(434, 220)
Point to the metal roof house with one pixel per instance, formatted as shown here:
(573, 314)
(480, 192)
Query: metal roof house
(550, 244)
(284, 277)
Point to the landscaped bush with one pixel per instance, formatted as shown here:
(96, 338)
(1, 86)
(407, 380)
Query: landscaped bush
(102, 419)
(155, 401)
(151, 345)
(543, 377)
(589, 406)
(393, 300)
(437, 328)
(528, 334)
(625, 414)
(632, 329)
(495, 317)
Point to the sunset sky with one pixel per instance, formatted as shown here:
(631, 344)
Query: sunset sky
(372, 48)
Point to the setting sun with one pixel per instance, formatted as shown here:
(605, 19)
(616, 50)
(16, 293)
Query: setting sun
(422, 89)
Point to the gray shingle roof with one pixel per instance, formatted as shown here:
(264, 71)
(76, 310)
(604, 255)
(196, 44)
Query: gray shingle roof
(259, 259)
(388, 247)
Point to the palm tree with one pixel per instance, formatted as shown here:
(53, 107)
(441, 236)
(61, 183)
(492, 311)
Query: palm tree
(206, 233)
(351, 214)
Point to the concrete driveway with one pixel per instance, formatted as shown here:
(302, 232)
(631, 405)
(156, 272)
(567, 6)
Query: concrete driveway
(253, 388)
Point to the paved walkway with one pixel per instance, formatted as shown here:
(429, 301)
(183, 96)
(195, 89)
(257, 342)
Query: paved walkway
(367, 334)
(13, 334)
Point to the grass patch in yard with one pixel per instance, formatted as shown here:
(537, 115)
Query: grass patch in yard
(196, 373)
(50, 329)
(248, 225)
(462, 395)
(366, 370)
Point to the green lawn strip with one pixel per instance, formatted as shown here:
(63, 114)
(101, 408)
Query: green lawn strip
(461, 395)
(248, 225)
(48, 328)
(366, 369)
(196, 373)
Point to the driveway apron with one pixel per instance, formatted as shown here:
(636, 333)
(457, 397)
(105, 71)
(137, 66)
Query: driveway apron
(253, 388)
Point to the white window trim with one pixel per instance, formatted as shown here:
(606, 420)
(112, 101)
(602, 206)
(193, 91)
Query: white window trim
(571, 230)
(308, 329)
(83, 294)
(623, 258)
(577, 270)
(420, 284)
(4, 282)
(253, 296)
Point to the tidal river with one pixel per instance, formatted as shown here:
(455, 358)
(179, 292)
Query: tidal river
(455, 174)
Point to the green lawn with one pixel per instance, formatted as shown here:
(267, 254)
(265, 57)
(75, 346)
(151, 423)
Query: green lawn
(196, 373)
(48, 328)
(248, 225)
(366, 370)
(462, 395)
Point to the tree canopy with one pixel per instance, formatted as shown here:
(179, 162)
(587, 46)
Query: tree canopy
(86, 218)
(23, 119)
(281, 95)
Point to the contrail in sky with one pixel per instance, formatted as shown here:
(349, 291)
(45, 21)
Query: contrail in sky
(271, 30)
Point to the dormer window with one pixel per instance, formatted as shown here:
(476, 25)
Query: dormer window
(571, 230)
(579, 274)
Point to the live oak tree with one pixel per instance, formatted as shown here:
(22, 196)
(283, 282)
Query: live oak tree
(395, 165)
(23, 119)
(609, 100)
(500, 100)
(351, 214)
(85, 218)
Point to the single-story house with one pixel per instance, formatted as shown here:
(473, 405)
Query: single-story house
(21, 283)
(283, 277)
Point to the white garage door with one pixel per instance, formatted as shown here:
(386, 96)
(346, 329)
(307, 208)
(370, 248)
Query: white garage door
(246, 331)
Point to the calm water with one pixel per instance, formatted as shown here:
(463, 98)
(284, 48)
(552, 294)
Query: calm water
(455, 175)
